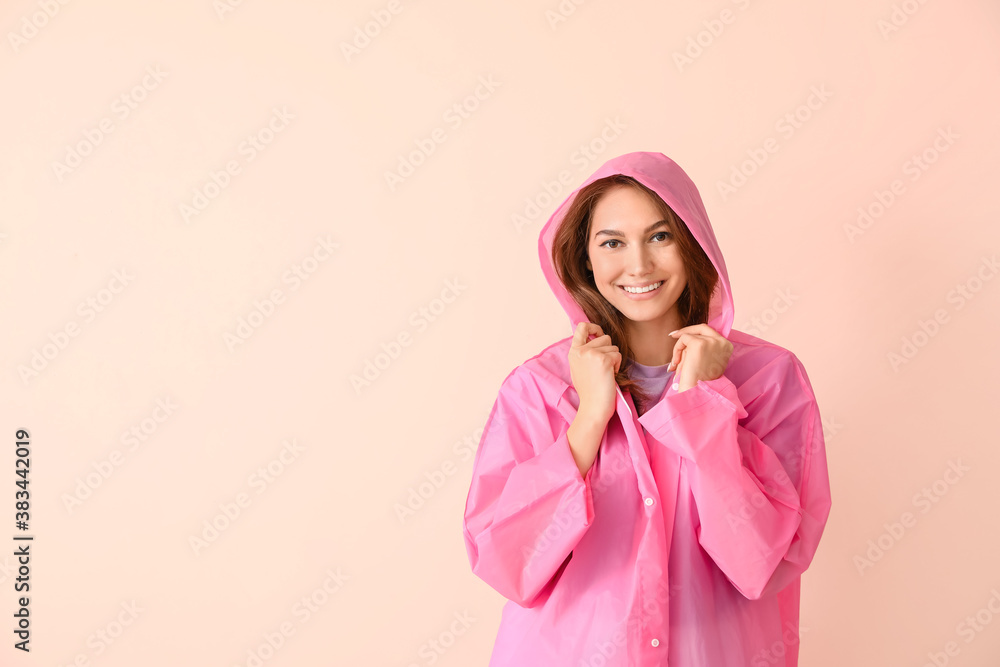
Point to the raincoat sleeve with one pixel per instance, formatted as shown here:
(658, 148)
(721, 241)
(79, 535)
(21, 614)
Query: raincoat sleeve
(528, 505)
(762, 490)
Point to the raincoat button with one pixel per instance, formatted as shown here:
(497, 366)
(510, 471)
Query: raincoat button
(655, 642)
(649, 501)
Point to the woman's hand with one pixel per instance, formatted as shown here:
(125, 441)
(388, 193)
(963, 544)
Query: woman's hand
(700, 353)
(592, 366)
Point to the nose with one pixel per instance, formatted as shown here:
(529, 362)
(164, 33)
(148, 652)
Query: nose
(640, 260)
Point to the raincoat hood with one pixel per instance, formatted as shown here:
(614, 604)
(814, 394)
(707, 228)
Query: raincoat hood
(663, 176)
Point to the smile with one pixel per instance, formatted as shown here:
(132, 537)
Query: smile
(642, 290)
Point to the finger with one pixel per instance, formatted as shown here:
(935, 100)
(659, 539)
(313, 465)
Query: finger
(702, 329)
(599, 342)
(583, 330)
(678, 355)
(593, 329)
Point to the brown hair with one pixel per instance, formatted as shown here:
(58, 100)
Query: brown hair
(569, 257)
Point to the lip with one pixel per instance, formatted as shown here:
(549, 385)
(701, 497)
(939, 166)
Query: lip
(651, 282)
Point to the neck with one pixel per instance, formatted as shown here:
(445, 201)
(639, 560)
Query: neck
(649, 342)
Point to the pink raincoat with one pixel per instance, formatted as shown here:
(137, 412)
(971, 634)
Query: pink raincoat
(684, 543)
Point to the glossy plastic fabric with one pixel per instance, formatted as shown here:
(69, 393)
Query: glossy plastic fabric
(684, 543)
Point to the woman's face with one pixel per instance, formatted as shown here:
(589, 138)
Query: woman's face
(630, 245)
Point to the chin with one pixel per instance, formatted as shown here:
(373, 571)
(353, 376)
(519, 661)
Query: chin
(645, 317)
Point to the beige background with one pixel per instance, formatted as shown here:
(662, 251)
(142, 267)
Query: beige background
(446, 241)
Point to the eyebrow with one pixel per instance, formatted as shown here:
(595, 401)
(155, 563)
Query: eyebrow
(616, 232)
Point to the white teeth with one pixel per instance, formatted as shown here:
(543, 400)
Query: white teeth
(642, 290)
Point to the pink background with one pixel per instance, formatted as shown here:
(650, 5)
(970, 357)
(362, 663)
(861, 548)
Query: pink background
(447, 239)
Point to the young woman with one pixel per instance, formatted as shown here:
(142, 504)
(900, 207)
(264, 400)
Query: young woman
(649, 490)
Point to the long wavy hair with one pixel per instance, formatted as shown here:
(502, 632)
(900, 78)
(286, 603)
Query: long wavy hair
(569, 258)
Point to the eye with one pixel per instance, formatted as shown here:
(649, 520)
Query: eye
(665, 236)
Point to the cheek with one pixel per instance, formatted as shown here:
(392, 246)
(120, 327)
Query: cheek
(604, 281)
(672, 263)
(603, 270)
